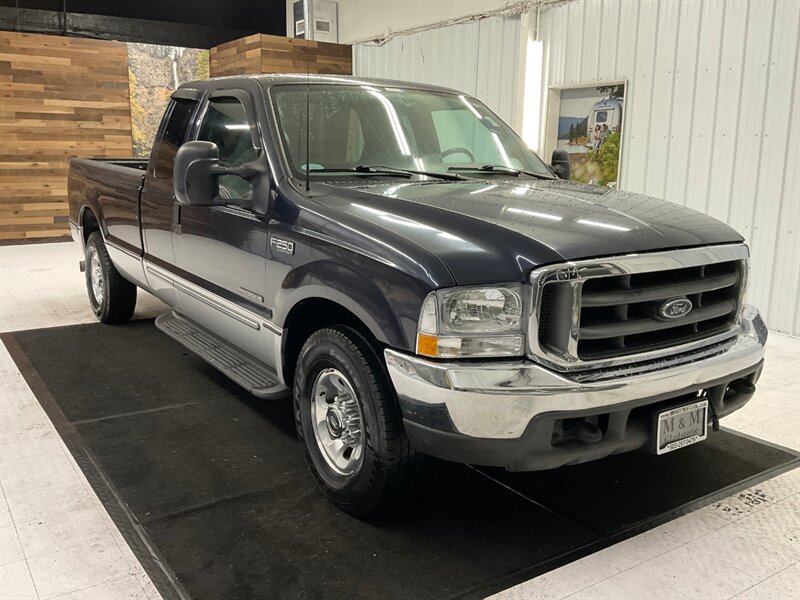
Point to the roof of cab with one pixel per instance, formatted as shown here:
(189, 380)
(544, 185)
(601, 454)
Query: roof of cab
(268, 81)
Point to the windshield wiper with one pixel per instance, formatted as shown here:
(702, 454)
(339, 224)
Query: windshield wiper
(363, 170)
(436, 174)
(500, 169)
(388, 171)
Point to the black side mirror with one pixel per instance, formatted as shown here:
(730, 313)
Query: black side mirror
(193, 176)
(560, 164)
(196, 177)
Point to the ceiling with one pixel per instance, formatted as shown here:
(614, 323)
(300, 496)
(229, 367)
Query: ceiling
(262, 16)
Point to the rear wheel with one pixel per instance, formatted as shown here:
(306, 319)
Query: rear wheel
(111, 296)
(349, 421)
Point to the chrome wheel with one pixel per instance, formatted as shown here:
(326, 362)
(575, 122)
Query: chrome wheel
(336, 420)
(96, 277)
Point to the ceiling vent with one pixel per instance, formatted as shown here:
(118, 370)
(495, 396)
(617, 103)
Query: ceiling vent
(323, 14)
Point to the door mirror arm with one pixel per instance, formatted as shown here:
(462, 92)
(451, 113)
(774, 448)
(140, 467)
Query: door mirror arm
(244, 171)
(256, 173)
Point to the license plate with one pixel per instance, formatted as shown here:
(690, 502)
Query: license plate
(682, 426)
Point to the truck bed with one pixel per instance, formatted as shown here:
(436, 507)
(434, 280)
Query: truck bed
(110, 188)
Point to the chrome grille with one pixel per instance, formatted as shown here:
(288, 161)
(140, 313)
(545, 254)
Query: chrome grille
(604, 312)
(620, 315)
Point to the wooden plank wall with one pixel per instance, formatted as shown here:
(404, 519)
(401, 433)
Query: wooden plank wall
(68, 97)
(262, 53)
(59, 97)
(238, 57)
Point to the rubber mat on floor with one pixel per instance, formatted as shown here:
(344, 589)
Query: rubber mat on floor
(209, 487)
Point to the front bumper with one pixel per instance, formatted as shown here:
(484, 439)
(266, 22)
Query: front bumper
(513, 414)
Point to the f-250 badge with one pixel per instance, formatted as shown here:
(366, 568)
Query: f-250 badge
(281, 246)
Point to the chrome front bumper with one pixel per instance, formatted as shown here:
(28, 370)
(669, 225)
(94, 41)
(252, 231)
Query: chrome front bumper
(498, 400)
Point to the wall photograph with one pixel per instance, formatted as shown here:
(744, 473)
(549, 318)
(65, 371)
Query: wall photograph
(590, 130)
(154, 72)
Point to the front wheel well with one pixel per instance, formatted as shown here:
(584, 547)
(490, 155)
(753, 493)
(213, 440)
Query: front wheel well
(307, 317)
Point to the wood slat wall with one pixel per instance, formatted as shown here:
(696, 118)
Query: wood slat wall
(59, 98)
(274, 54)
(238, 57)
(68, 97)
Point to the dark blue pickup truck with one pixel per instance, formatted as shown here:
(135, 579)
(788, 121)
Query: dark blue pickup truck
(394, 257)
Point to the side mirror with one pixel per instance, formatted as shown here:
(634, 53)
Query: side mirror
(193, 175)
(196, 177)
(560, 164)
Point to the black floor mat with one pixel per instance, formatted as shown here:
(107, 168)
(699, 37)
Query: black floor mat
(209, 486)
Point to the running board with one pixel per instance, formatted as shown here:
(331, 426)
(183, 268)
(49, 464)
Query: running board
(252, 375)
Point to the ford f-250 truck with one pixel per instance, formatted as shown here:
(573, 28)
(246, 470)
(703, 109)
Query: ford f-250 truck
(394, 257)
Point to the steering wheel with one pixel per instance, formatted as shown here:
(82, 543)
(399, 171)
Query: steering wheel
(450, 151)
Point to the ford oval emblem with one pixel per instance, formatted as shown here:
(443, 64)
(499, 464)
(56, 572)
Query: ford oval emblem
(675, 309)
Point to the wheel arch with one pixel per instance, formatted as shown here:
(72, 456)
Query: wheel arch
(89, 223)
(379, 301)
(313, 313)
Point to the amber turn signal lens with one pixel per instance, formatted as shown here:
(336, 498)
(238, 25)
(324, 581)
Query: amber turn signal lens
(427, 345)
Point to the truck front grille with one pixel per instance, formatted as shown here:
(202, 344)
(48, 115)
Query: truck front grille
(620, 315)
(610, 311)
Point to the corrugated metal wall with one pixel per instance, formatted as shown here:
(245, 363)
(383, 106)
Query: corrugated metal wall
(712, 115)
(712, 109)
(480, 58)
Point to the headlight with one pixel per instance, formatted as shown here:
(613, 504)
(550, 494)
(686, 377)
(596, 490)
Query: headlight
(472, 322)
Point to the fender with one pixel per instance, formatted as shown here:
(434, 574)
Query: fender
(111, 191)
(78, 233)
(83, 195)
(97, 211)
(385, 301)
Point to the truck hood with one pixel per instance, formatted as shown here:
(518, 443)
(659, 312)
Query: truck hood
(492, 231)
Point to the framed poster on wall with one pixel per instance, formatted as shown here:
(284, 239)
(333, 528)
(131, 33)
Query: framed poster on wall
(154, 72)
(589, 129)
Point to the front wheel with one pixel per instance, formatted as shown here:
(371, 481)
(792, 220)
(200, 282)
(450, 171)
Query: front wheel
(349, 421)
(111, 296)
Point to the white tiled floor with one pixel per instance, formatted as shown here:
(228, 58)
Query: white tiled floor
(57, 541)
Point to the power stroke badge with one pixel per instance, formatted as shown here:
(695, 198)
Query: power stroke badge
(252, 295)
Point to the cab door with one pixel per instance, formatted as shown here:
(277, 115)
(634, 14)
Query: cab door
(221, 250)
(158, 203)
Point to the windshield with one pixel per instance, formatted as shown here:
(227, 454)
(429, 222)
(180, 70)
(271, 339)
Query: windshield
(357, 126)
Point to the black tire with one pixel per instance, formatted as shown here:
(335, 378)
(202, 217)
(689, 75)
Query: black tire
(375, 484)
(116, 301)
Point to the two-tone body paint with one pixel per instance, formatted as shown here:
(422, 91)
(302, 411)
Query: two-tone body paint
(375, 246)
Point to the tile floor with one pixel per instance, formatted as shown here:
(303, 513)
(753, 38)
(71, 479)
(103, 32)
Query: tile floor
(57, 541)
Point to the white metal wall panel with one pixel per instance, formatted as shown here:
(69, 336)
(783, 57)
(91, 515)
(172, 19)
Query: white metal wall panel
(711, 114)
(708, 76)
(606, 54)
(480, 58)
(682, 113)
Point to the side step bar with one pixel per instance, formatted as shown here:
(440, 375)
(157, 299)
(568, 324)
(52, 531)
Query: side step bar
(242, 368)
